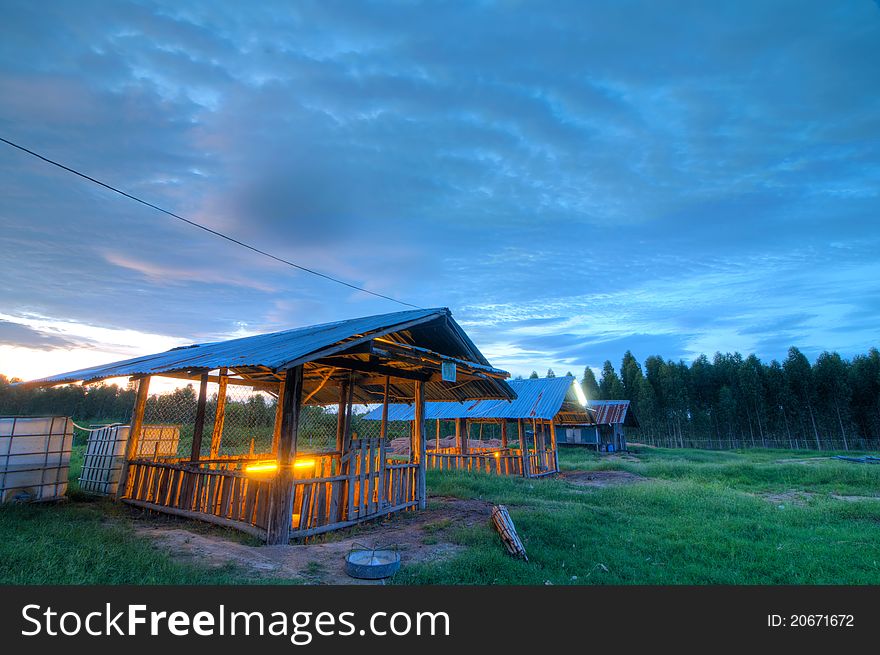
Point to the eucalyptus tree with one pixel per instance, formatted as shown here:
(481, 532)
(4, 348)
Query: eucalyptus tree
(589, 384)
(799, 378)
(833, 390)
(610, 386)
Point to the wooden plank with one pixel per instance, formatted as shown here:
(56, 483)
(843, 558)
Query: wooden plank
(320, 515)
(349, 486)
(524, 448)
(335, 494)
(372, 447)
(363, 475)
(303, 534)
(262, 516)
(259, 533)
(305, 512)
(226, 496)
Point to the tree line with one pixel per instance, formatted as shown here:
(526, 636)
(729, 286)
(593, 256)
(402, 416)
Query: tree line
(248, 416)
(733, 401)
(729, 401)
(106, 403)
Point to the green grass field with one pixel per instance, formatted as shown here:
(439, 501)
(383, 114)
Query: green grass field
(698, 517)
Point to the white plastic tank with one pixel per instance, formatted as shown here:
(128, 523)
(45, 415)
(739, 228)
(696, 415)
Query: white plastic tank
(34, 458)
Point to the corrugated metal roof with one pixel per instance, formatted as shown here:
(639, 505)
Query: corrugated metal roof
(540, 398)
(290, 347)
(610, 412)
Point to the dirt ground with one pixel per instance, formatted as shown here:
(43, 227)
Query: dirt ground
(792, 497)
(601, 478)
(419, 536)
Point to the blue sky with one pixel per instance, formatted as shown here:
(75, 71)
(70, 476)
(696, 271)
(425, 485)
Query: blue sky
(572, 179)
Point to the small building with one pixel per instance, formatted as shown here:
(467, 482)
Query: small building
(239, 455)
(542, 406)
(605, 430)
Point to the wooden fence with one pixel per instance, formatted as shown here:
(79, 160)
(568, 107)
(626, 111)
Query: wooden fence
(494, 461)
(339, 492)
(542, 463)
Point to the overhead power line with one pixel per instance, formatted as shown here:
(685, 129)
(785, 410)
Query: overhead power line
(110, 187)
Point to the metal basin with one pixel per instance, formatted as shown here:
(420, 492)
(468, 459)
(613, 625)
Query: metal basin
(372, 564)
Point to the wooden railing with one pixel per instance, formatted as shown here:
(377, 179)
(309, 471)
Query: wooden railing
(497, 462)
(340, 491)
(229, 497)
(542, 463)
(487, 460)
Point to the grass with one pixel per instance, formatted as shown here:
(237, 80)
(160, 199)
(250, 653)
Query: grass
(87, 540)
(700, 517)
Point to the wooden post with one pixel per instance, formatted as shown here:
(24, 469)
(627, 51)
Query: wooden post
(437, 436)
(554, 445)
(199, 426)
(345, 455)
(276, 429)
(540, 446)
(281, 491)
(461, 435)
(217, 433)
(346, 437)
(383, 436)
(340, 416)
(417, 446)
(504, 433)
(134, 432)
(524, 449)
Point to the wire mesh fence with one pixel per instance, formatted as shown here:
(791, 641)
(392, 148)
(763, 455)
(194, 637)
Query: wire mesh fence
(796, 442)
(247, 424)
(176, 410)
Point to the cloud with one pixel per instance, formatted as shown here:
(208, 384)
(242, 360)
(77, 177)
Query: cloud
(572, 182)
(16, 334)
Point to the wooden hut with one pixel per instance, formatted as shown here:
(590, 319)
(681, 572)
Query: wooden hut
(605, 430)
(532, 420)
(277, 494)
